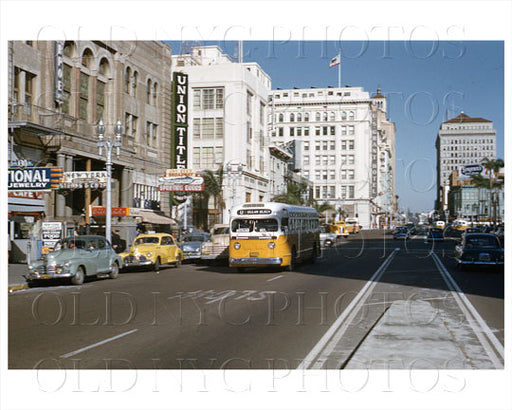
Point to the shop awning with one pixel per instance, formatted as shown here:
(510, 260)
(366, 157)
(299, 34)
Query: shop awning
(154, 218)
(25, 208)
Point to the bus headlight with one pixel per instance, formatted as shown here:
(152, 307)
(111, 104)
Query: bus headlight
(271, 245)
(237, 245)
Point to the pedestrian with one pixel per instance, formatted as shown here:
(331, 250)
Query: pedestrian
(116, 241)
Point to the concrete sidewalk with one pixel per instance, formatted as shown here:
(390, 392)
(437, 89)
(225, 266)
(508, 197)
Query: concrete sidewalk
(16, 281)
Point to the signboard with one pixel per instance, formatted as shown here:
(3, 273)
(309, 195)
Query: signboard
(373, 162)
(51, 234)
(83, 180)
(179, 120)
(102, 211)
(39, 179)
(26, 194)
(59, 72)
(181, 180)
(469, 170)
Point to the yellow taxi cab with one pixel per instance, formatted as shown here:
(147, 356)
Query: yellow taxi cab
(339, 228)
(352, 225)
(152, 250)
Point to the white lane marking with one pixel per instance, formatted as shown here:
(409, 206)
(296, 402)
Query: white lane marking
(333, 335)
(274, 278)
(467, 307)
(65, 356)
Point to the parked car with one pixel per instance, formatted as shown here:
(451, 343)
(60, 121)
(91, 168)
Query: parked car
(76, 258)
(401, 233)
(217, 247)
(435, 235)
(152, 250)
(479, 249)
(327, 239)
(191, 244)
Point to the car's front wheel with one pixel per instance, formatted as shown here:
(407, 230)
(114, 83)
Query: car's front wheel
(79, 277)
(156, 266)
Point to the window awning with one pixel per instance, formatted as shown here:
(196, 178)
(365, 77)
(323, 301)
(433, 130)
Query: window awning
(154, 218)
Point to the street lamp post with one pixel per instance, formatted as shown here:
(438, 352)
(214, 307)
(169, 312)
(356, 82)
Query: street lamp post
(108, 143)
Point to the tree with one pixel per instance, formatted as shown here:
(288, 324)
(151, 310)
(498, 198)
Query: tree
(491, 183)
(293, 195)
(213, 181)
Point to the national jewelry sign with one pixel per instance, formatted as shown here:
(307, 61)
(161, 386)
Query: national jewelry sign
(38, 179)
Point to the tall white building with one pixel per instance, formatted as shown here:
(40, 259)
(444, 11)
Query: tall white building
(229, 124)
(462, 140)
(344, 144)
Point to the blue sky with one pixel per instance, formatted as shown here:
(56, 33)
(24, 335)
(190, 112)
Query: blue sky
(424, 82)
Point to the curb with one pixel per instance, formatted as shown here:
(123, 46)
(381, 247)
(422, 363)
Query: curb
(14, 288)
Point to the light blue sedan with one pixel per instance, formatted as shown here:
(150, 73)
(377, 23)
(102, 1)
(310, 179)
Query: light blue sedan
(76, 258)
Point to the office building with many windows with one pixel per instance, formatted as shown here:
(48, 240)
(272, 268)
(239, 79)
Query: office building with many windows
(461, 141)
(345, 145)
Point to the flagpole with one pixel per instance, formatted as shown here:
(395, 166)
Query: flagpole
(339, 68)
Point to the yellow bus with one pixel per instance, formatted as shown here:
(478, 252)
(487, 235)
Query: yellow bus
(272, 234)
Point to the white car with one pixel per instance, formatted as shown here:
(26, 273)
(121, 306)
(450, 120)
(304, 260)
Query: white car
(327, 239)
(217, 248)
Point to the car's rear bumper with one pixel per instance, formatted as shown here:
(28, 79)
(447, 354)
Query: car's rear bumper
(473, 262)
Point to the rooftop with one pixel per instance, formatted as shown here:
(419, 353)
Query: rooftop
(463, 118)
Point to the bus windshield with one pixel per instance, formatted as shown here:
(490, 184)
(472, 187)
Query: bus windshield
(254, 225)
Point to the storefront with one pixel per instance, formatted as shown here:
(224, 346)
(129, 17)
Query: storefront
(26, 211)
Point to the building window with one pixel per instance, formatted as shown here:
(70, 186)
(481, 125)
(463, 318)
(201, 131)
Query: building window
(127, 80)
(100, 99)
(249, 103)
(135, 80)
(149, 90)
(292, 117)
(66, 97)
(84, 96)
(306, 146)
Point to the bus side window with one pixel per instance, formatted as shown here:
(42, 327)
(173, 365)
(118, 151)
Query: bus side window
(284, 224)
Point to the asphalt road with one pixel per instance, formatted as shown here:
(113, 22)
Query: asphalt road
(368, 302)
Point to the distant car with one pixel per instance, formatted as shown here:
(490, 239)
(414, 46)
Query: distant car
(191, 244)
(217, 247)
(401, 233)
(472, 230)
(327, 239)
(75, 258)
(435, 235)
(152, 250)
(479, 249)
